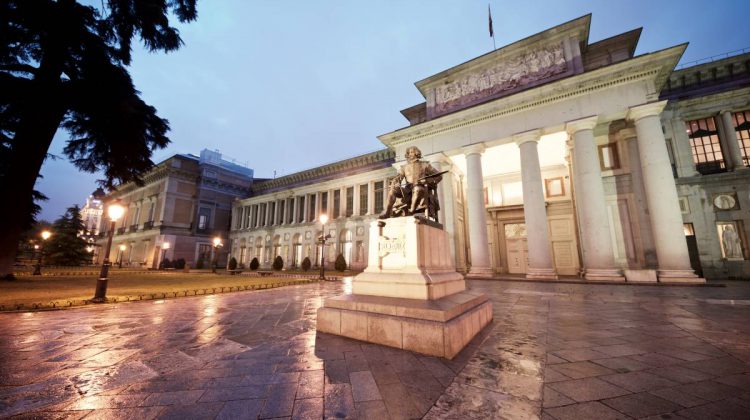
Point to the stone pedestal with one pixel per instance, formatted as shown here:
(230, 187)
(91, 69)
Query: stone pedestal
(410, 296)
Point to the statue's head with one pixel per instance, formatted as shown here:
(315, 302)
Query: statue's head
(413, 154)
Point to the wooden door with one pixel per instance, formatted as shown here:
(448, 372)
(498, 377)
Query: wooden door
(517, 248)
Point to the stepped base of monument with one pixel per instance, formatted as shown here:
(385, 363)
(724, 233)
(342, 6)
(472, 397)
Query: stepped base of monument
(441, 327)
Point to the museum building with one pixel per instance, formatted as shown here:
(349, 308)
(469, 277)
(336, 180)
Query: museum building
(564, 157)
(183, 203)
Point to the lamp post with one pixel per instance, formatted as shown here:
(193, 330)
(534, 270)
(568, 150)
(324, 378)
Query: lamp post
(164, 248)
(119, 257)
(322, 239)
(38, 269)
(217, 245)
(114, 212)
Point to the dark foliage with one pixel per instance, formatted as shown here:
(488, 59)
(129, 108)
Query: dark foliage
(254, 264)
(65, 247)
(166, 264)
(200, 264)
(180, 263)
(278, 263)
(306, 264)
(340, 264)
(232, 264)
(64, 64)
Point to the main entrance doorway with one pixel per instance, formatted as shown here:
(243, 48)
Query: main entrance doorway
(517, 248)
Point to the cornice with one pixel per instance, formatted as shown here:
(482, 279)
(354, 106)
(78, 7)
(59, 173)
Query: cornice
(645, 67)
(359, 162)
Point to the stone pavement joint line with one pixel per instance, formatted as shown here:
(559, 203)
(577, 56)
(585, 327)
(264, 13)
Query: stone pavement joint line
(554, 351)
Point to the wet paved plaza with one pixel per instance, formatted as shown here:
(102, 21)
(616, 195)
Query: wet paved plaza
(554, 351)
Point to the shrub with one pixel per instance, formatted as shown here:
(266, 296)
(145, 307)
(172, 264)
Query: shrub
(200, 263)
(254, 264)
(232, 264)
(166, 264)
(278, 263)
(306, 264)
(179, 263)
(340, 264)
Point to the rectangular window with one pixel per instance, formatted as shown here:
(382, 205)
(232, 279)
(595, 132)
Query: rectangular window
(336, 204)
(311, 209)
(363, 199)
(349, 201)
(608, 157)
(742, 130)
(324, 202)
(151, 210)
(262, 215)
(282, 204)
(204, 218)
(290, 214)
(704, 141)
(554, 187)
(379, 196)
(301, 209)
(272, 213)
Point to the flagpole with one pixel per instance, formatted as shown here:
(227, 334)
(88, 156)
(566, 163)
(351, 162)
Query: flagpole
(492, 30)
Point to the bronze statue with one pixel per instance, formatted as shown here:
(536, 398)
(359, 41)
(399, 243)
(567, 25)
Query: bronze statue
(419, 193)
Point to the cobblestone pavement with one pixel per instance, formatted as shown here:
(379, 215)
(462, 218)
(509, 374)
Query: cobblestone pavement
(554, 351)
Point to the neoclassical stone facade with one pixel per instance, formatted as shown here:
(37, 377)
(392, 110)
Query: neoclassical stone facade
(565, 157)
(184, 202)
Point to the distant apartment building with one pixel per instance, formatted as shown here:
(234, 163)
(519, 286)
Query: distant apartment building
(91, 213)
(184, 202)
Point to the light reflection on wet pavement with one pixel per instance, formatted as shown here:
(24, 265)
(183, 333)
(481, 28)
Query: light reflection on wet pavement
(554, 351)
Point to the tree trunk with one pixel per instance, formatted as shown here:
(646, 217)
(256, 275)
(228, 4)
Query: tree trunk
(40, 116)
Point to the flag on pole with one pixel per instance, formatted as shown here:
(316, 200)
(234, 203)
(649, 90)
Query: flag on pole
(492, 31)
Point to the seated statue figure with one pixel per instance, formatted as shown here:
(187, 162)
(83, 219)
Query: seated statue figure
(419, 194)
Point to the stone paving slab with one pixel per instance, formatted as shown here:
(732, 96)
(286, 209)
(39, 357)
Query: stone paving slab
(554, 351)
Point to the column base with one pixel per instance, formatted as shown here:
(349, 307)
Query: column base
(679, 276)
(604, 274)
(541, 274)
(483, 272)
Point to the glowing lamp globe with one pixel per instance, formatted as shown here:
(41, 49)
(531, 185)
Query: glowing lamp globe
(46, 234)
(115, 211)
(323, 218)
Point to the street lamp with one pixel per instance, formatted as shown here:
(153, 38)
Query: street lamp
(164, 248)
(322, 239)
(38, 269)
(217, 245)
(114, 212)
(119, 257)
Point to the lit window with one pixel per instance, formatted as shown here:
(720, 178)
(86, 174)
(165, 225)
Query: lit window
(608, 157)
(204, 216)
(742, 130)
(704, 141)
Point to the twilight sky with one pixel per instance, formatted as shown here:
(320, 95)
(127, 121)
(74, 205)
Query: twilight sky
(286, 86)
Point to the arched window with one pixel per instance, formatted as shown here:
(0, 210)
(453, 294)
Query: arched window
(259, 248)
(297, 250)
(345, 245)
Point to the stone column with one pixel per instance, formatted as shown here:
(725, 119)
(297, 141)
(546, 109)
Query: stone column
(480, 252)
(661, 195)
(733, 146)
(318, 205)
(371, 198)
(599, 258)
(534, 208)
(355, 200)
(639, 193)
(446, 196)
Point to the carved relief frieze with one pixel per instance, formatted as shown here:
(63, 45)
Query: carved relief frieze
(503, 77)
